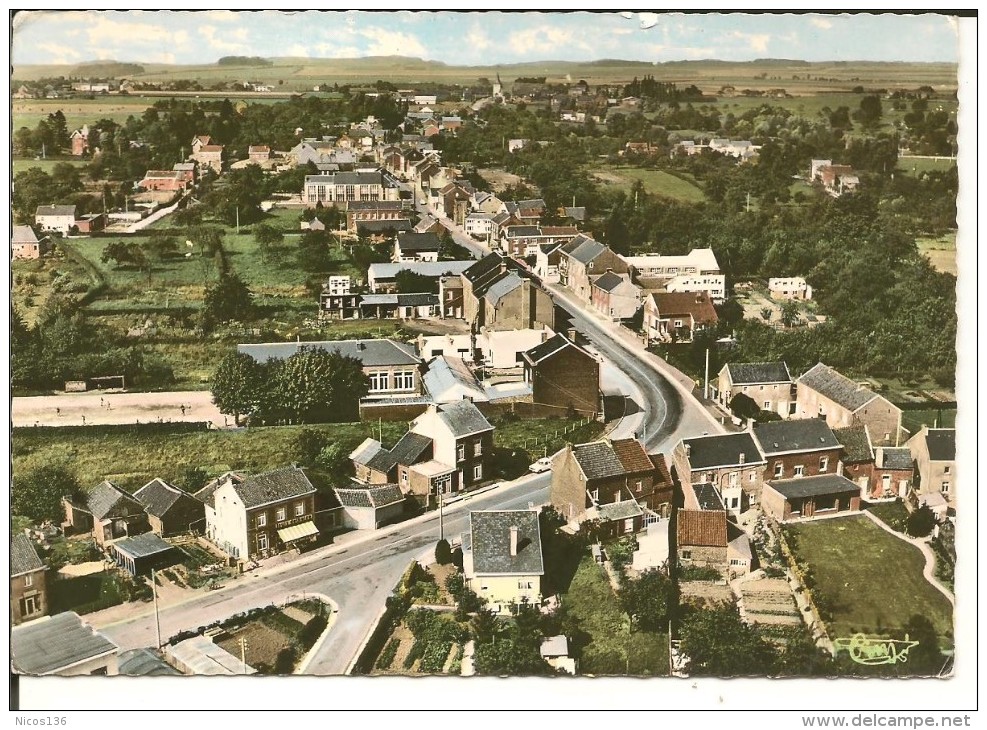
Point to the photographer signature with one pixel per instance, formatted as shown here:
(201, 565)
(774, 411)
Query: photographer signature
(872, 651)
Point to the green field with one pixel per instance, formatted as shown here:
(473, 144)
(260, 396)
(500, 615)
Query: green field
(77, 110)
(916, 165)
(913, 420)
(869, 580)
(25, 163)
(658, 182)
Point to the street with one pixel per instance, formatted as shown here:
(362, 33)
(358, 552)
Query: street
(357, 575)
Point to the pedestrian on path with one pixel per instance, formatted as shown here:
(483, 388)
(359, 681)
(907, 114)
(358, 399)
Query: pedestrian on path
(83, 420)
(183, 409)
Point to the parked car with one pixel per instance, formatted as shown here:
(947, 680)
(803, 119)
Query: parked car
(543, 464)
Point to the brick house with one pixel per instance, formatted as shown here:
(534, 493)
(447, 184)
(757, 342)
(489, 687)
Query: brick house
(107, 511)
(614, 296)
(502, 558)
(797, 448)
(258, 153)
(25, 244)
(934, 453)
(79, 139)
(461, 438)
(170, 510)
(260, 515)
(822, 392)
(677, 316)
(768, 384)
(614, 481)
(857, 460)
(207, 154)
(454, 203)
(451, 297)
(28, 581)
(498, 295)
(373, 210)
(894, 472)
(373, 464)
(564, 375)
(731, 462)
(583, 258)
(701, 539)
(164, 180)
(792, 499)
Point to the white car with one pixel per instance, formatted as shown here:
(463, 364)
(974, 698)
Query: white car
(543, 464)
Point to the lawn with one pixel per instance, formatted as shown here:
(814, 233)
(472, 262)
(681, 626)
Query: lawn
(78, 111)
(657, 182)
(543, 436)
(934, 418)
(941, 251)
(20, 164)
(866, 579)
(917, 165)
(893, 514)
(602, 642)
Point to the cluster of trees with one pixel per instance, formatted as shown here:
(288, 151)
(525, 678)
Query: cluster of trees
(34, 187)
(311, 386)
(661, 91)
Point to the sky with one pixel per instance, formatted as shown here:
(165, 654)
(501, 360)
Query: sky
(477, 38)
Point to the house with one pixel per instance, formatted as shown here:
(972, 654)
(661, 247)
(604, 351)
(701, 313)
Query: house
(342, 187)
(28, 581)
(788, 288)
(313, 225)
(934, 453)
(562, 374)
(382, 230)
(164, 180)
(256, 516)
(677, 317)
(615, 296)
(141, 554)
(382, 278)
(59, 218)
(822, 392)
(339, 305)
(524, 240)
(451, 297)
(698, 271)
(258, 153)
(25, 244)
(825, 494)
(107, 511)
(526, 211)
(502, 558)
(170, 510)
(91, 222)
(577, 214)
(497, 349)
(836, 179)
(338, 285)
(498, 295)
(79, 139)
(451, 123)
(461, 437)
(701, 539)
(62, 645)
(638, 148)
(374, 210)
(797, 448)
(373, 464)
(416, 247)
(894, 473)
(453, 202)
(369, 507)
(583, 258)
(429, 479)
(547, 258)
(207, 154)
(769, 384)
(412, 305)
(614, 481)
(428, 224)
(392, 367)
(857, 460)
(449, 379)
(730, 462)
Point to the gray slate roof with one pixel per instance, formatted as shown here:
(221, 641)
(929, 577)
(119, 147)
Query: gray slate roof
(411, 448)
(816, 486)
(374, 205)
(619, 510)
(44, 210)
(142, 546)
(273, 486)
(491, 543)
(375, 497)
(23, 556)
(804, 434)
(838, 388)
(158, 497)
(889, 457)
(419, 242)
(485, 266)
(710, 452)
(941, 443)
(856, 445)
(549, 347)
(750, 373)
(347, 178)
(399, 225)
(371, 353)
(144, 663)
(597, 460)
(50, 644)
(587, 251)
(707, 496)
(105, 496)
(23, 234)
(502, 287)
(205, 494)
(608, 282)
(463, 418)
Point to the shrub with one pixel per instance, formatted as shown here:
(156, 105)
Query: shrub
(434, 657)
(920, 522)
(285, 661)
(695, 572)
(387, 656)
(443, 553)
(313, 630)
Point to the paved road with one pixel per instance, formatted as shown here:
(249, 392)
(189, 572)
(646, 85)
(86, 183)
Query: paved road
(357, 575)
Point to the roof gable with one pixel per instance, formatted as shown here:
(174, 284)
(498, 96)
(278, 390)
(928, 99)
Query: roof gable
(837, 387)
(729, 449)
(755, 373)
(273, 486)
(803, 434)
(701, 528)
(490, 541)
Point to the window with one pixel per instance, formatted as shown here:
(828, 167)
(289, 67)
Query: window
(404, 476)
(404, 380)
(637, 486)
(767, 405)
(436, 353)
(261, 519)
(478, 471)
(945, 470)
(281, 515)
(687, 555)
(734, 479)
(945, 488)
(524, 585)
(821, 411)
(262, 541)
(595, 494)
(753, 476)
(478, 448)
(28, 580)
(461, 452)
(378, 381)
(823, 463)
(799, 470)
(745, 388)
(299, 509)
(629, 525)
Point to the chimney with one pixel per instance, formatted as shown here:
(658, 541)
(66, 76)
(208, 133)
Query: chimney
(688, 450)
(743, 457)
(513, 542)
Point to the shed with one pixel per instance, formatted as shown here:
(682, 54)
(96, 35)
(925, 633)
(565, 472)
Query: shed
(141, 554)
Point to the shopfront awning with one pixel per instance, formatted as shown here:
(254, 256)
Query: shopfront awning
(297, 532)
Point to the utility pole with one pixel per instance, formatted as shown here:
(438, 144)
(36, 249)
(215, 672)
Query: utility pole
(154, 592)
(243, 654)
(706, 384)
(748, 202)
(441, 525)
(238, 219)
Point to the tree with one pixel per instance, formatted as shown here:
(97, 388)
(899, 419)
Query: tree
(920, 522)
(647, 599)
(443, 553)
(790, 313)
(269, 240)
(484, 627)
(238, 201)
(510, 657)
(315, 386)
(237, 385)
(744, 407)
(334, 460)
(869, 114)
(313, 252)
(719, 644)
(161, 247)
(408, 282)
(193, 478)
(227, 299)
(38, 494)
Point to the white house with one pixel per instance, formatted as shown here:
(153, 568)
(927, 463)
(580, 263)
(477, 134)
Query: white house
(339, 285)
(59, 218)
(502, 558)
(478, 225)
(791, 287)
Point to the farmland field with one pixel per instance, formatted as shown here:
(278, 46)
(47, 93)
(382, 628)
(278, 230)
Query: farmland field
(24, 163)
(941, 252)
(658, 182)
(916, 165)
(78, 111)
